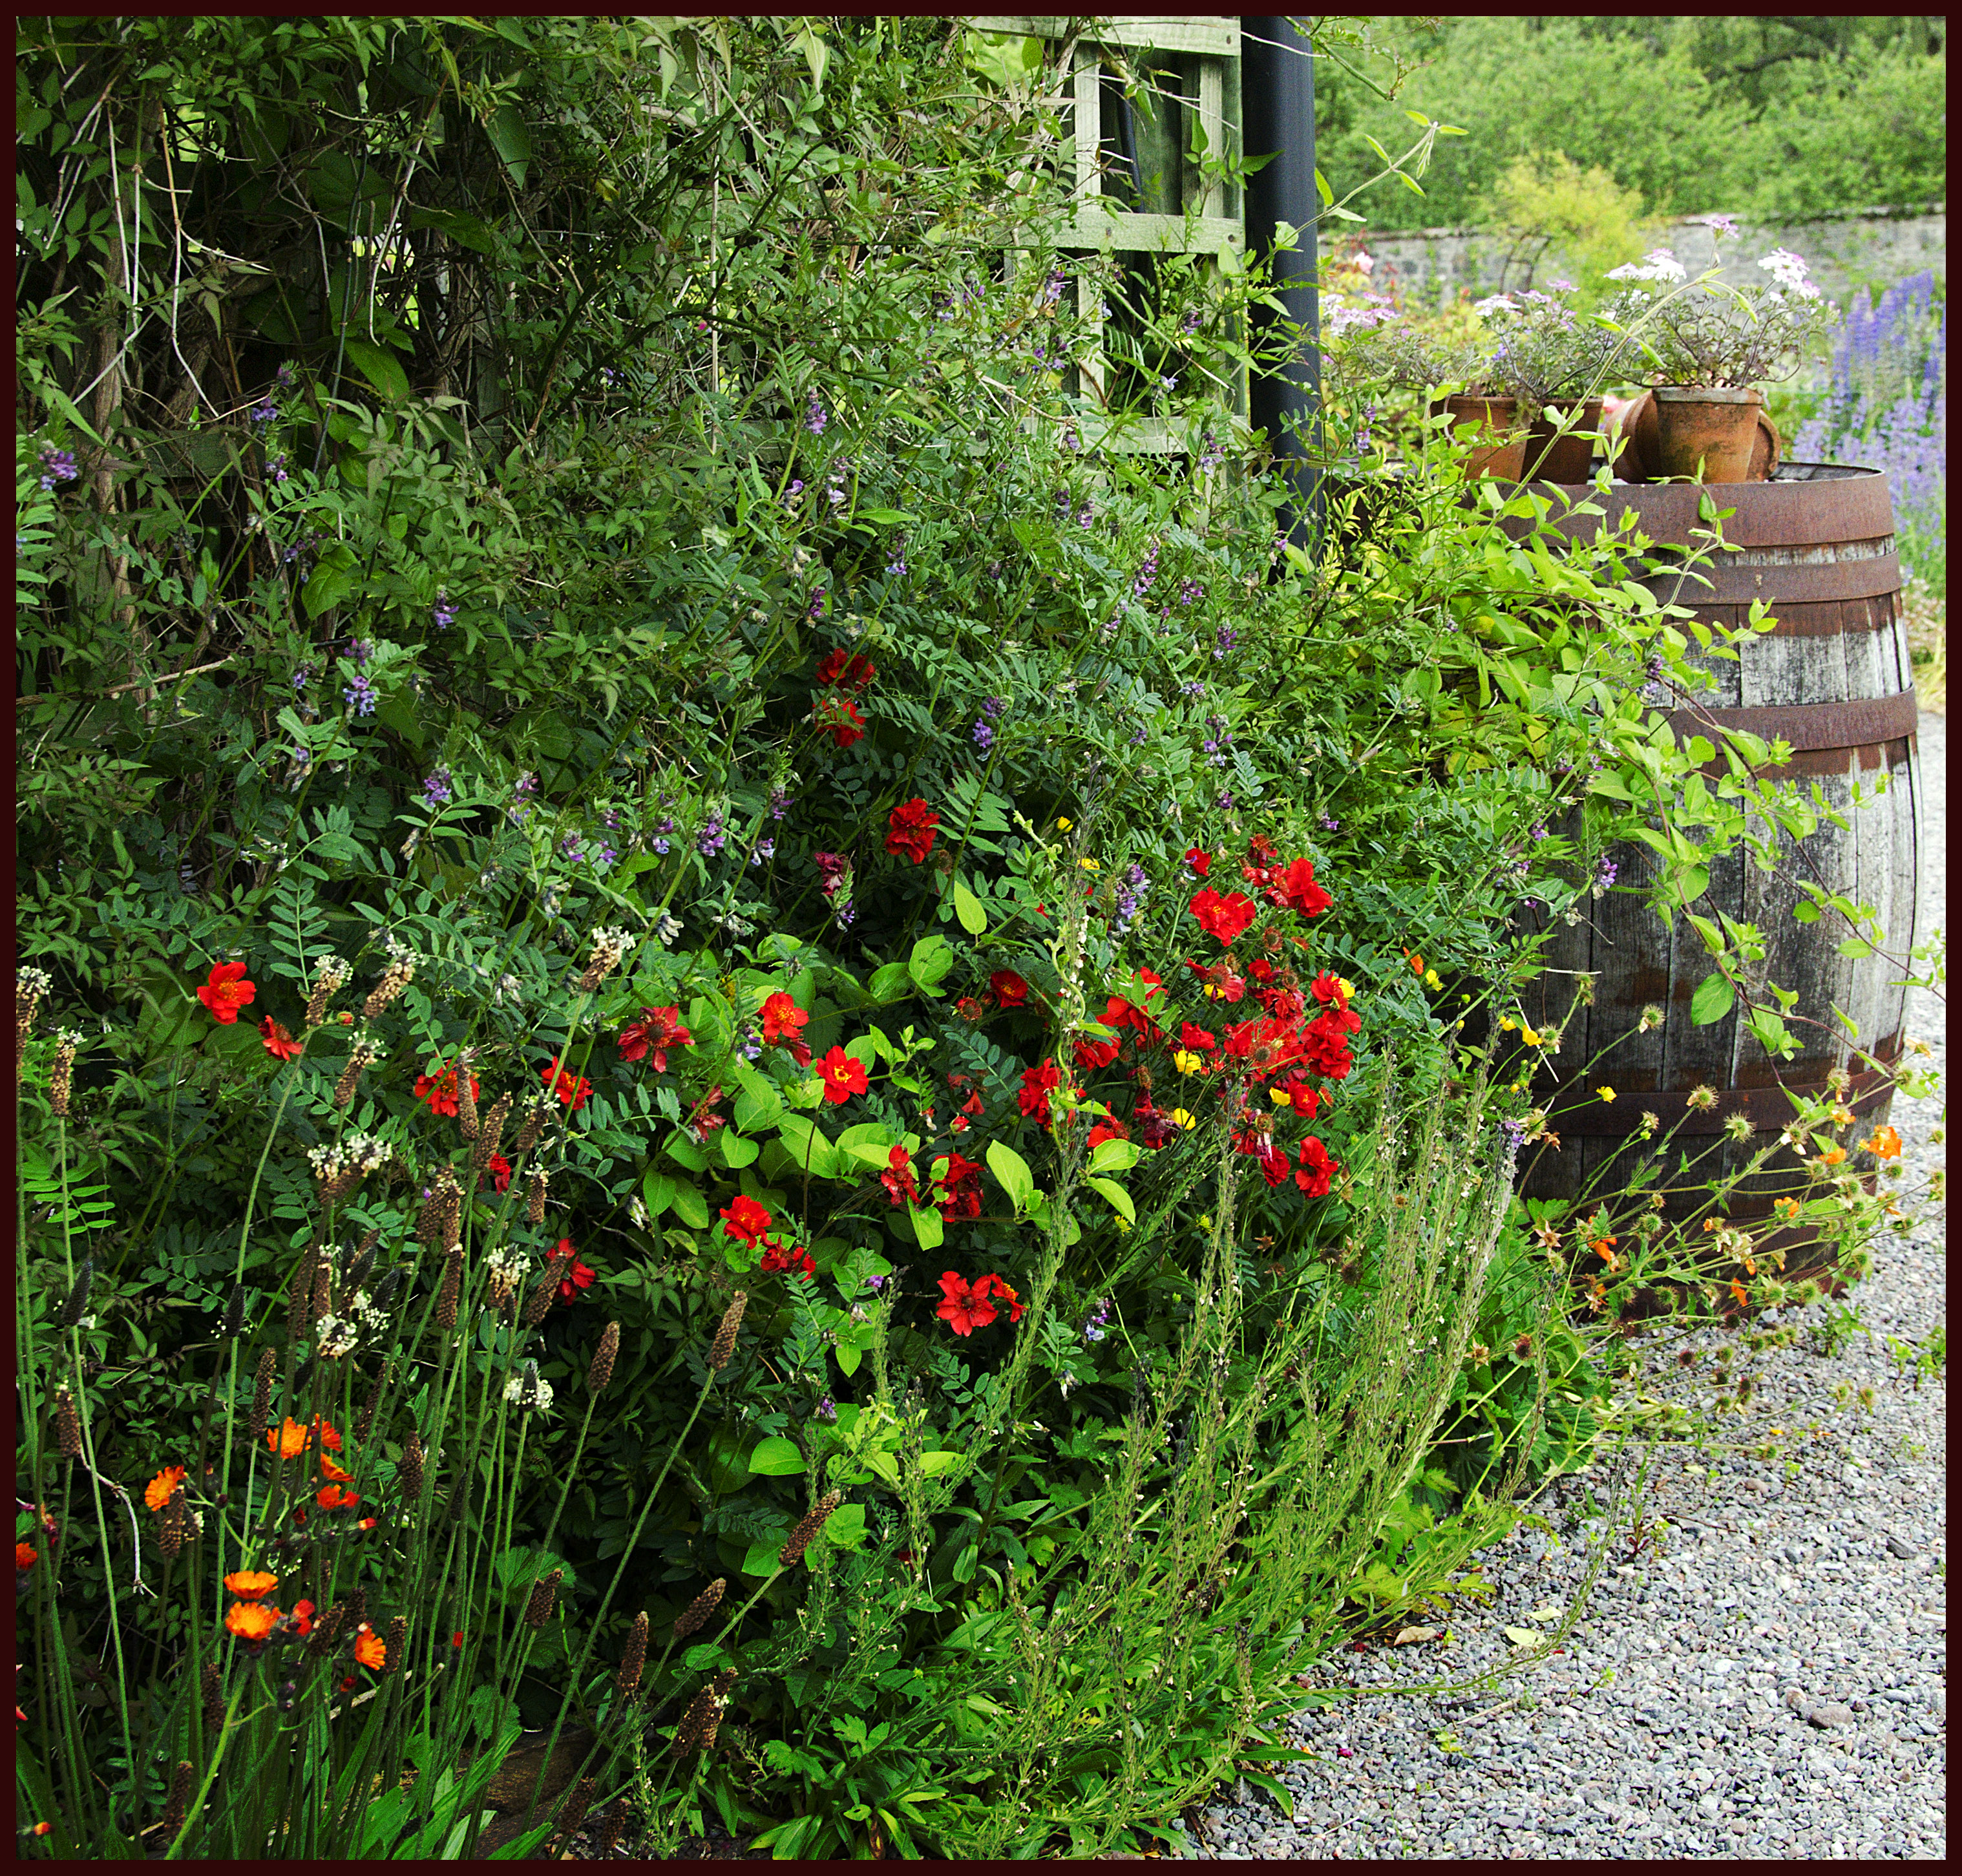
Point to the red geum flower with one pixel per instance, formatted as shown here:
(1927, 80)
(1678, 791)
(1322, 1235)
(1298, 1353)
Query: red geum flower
(1109, 1128)
(1260, 850)
(971, 1009)
(1317, 1170)
(856, 673)
(657, 1029)
(1265, 1045)
(1198, 860)
(498, 1172)
(1294, 887)
(898, 1177)
(575, 1275)
(746, 1219)
(783, 1022)
(964, 1309)
(1280, 1002)
(1324, 1046)
(844, 1075)
(1034, 1099)
(279, 1041)
(1156, 1130)
(1009, 989)
(440, 1091)
(1224, 919)
(1003, 1293)
(1260, 971)
(909, 830)
(226, 991)
(839, 718)
(959, 1189)
(1327, 988)
(702, 1118)
(1091, 1052)
(571, 1089)
(1302, 1097)
(1195, 1039)
(778, 1257)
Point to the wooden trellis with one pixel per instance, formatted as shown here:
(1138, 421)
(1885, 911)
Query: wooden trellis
(1184, 212)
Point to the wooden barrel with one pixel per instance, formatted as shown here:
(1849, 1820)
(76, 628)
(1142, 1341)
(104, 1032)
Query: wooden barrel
(1834, 681)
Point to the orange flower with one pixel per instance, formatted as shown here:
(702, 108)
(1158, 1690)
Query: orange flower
(302, 1617)
(332, 1497)
(226, 991)
(456, 1640)
(251, 1584)
(1885, 1144)
(252, 1622)
(24, 1556)
(330, 1469)
(288, 1441)
(367, 1524)
(279, 1040)
(156, 1493)
(1833, 1156)
(1739, 1291)
(1604, 1248)
(369, 1649)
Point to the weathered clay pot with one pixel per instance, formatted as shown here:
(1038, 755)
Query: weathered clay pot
(1640, 461)
(1552, 458)
(1705, 433)
(1504, 455)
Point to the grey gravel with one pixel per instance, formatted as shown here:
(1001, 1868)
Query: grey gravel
(1769, 1680)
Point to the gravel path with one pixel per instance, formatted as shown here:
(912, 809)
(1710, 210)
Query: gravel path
(1768, 1680)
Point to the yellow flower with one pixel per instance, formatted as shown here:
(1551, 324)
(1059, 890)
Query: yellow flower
(1347, 988)
(1183, 1118)
(1530, 1037)
(1433, 979)
(1186, 1062)
(1090, 866)
(1505, 1022)
(1062, 825)
(1280, 1096)
(1606, 1094)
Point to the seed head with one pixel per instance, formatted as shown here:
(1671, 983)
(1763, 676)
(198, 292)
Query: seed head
(398, 1635)
(323, 1284)
(363, 1052)
(178, 1803)
(609, 946)
(699, 1725)
(357, 1271)
(171, 1527)
(1702, 1098)
(792, 1553)
(535, 1122)
(235, 1314)
(490, 1134)
(724, 1345)
(578, 1804)
(543, 1593)
(374, 1400)
(409, 1474)
(699, 1612)
(628, 1679)
(76, 1306)
(68, 1425)
(211, 1679)
(602, 1370)
(329, 975)
(540, 1303)
(262, 1400)
(534, 1212)
(394, 981)
(466, 1102)
(384, 1291)
(59, 1086)
(447, 1297)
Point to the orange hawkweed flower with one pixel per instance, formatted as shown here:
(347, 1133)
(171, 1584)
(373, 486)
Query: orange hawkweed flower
(252, 1585)
(302, 1616)
(1885, 1144)
(25, 1555)
(330, 1469)
(332, 1497)
(156, 1493)
(251, 1622)
(369, 1649)
(456, 1640)
(289, 1440)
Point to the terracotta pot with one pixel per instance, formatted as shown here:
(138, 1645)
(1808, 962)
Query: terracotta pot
(1552, 458)
(1504, 455)
(1706, 433)
(1641, 458)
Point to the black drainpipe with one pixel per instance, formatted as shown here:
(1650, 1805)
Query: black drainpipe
(1277, 100)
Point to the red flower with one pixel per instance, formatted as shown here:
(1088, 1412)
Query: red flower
(959, 1189)
(1156, 1128)
(1260, 850)
(1278, 1001)
(1318, 1169)
(1300, 1097)
(838, 717)
(965, 1309)
(910, 830)
(1327, 988)
(301, 1617)
(783, 1022)
(332, 1497)
(1260, 971)
(575, 1275)
(572, 1089)
(971, 1009)
(1227, 985)
(498, 1172)
(1002, 1293)
(1010, 991)
(857, 673)
(1110, 1128)
(746, 1219)
(1200, 861)
(898, 1178)
(1294, 887)
(659, 1030)
(1090, 1052)
(1265, 1045)
(1223, 918)
(279, 1040)
(776, 1256)
(440, 1091)
(844, 1075)
(226, 991)
(1037, 1083)
(972, 1105)
(1325, 1048)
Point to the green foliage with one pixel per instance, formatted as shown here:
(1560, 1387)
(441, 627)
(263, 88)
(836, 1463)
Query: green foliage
(1774, 118)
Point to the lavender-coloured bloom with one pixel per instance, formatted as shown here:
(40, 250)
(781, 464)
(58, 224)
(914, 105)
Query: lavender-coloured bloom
(826, 1409)
(984, 737)
(1331, 823)
(897, 566)
(815, 610)
(709, 841)
(844, 914)
(1138, 735)
(439, 786)
(360, 697)
(991, 707)
(266, 412)
(813, 416)
(604, 858)
(765, 850)
(873, 1281)
(302, 677)
(276, 468)
(1538, 832)
(1223, 801)
(57, 465)
(361, 650)
(779, 803)
(572, 847)
(444, 612)
(1193, 688)
(1224, 640)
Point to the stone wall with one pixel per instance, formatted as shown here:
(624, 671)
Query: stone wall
(1871, 247)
